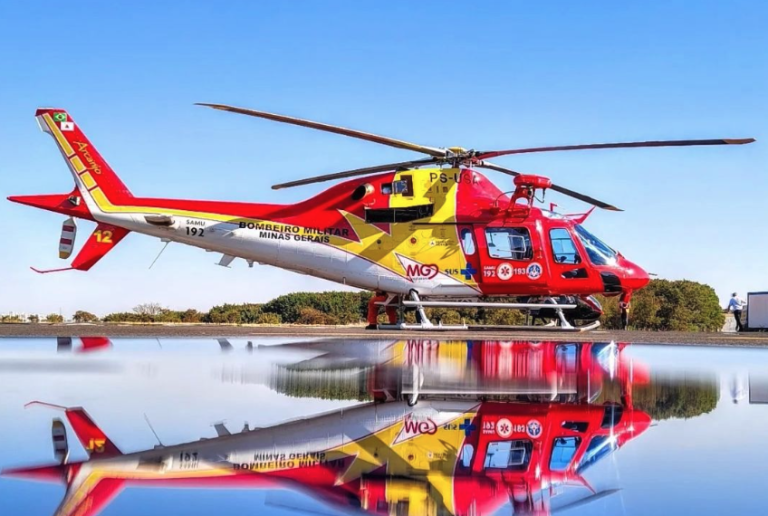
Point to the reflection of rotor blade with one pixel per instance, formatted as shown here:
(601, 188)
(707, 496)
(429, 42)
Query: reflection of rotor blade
(225, 345)
(584, 501)
(432, 151)
(625, 145)
(565, 191)
(357, 172)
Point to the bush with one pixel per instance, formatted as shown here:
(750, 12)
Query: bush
(679, 305)
(268, 319)
(127, 317)
(191, 316)
(81, 316)
(313, 316)
(234, 314)
(54, 318)
(343, 307)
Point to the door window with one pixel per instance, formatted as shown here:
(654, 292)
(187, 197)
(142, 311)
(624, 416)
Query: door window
(563, 248)
(467, 242)
(508, 455)
(509, 243)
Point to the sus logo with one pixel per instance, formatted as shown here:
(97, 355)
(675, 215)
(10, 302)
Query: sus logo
(533, 428)
(421, 270)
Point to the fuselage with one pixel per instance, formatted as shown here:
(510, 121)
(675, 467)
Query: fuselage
(448, 248)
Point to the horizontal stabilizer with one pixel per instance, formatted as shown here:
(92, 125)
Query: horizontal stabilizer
(104, 238)
(101, 241)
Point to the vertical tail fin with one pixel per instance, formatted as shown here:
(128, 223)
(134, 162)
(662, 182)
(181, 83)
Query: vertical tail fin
(91, 172)
(93, 439)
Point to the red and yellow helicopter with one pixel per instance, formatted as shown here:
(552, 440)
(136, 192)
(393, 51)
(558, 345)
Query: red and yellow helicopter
(419, 237)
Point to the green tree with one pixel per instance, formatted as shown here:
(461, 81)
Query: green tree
(665, 305)
(34, 319)
(54, 318)
(81, 316)
(677, 396)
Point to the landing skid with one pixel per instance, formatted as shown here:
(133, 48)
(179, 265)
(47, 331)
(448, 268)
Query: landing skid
(426, 325)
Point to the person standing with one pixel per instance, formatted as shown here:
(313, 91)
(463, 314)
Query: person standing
(735, 305)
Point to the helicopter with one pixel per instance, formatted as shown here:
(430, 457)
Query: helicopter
(420, 233)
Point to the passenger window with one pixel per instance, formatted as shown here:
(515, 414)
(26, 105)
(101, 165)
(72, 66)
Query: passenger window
(467, 451)
(563, 450)
(563, 247)
(467, 242)
(508, 455)
(509, 243)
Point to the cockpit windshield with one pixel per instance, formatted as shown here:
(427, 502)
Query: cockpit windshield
(599, 447)
(599, 253)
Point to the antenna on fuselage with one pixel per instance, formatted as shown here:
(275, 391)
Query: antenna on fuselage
(159, 442)
(158, 254)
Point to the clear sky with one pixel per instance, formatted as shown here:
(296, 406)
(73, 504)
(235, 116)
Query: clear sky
(483, 75)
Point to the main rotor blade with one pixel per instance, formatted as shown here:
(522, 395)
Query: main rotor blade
(565, 191)
(660, 143)
(432, 151)
(357, 172)
(585, 198)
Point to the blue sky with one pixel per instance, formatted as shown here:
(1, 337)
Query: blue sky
(493, 75)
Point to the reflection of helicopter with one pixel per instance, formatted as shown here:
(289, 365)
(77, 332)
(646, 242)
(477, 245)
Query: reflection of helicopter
(407, 232)
(463, 454)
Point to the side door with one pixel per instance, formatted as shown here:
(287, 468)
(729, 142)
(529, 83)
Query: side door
(511, 259)
(570, 269)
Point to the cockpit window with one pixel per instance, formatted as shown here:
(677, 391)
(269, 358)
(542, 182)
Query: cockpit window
(599, 253)
(563, 450)
(563, 248)
(509, 243)
(599, 447)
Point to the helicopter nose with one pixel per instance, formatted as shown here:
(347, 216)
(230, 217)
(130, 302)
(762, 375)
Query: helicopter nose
(634, 276)
(640, 422)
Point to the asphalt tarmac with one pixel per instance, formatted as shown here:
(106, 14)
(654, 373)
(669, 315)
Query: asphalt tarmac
(352, 332)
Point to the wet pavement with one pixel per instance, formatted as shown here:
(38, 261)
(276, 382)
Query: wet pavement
(303, 425)
(756, 338)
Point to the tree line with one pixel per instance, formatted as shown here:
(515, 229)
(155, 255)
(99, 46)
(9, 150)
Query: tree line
(663, 305)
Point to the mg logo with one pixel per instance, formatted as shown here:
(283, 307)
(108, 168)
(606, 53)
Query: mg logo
(421, 270)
